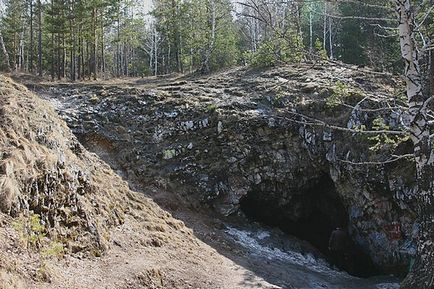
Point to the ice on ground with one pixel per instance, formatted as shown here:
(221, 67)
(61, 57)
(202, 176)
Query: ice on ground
(249, 240)
(303, 271)
(388, 286)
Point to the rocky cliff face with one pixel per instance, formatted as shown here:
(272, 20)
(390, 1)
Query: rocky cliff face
(252, 141)
(58, 199)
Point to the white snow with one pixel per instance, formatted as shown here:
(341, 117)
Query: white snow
(388, 286)
(249, 241)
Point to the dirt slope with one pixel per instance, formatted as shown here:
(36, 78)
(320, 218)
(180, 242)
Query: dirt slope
(68, 221)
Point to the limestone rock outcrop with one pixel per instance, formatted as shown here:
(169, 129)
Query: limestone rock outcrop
(285, 142)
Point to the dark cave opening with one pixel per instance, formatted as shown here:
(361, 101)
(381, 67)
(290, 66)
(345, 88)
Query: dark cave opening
(311, 215)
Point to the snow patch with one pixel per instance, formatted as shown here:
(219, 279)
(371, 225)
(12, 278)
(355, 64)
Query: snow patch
(262, 235)
(249, 240)
(388, 286)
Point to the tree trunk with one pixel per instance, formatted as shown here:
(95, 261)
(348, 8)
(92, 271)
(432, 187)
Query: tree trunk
(63, 56)
(206, 62)
(155, 52)
(310, 30)
(31, 37)
(118, 43)
(80, 51)
(5, 52)
(52, 56)
(73, 48)
(94, 45)
(330, 39)
(102, 44)
(59, 57)
(421, 275)
(325, 27)
(39, 38)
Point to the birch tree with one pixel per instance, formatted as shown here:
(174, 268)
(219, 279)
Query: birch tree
(422, 274)
(5, 52)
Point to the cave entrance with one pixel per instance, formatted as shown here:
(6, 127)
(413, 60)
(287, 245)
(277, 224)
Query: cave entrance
(311, 215)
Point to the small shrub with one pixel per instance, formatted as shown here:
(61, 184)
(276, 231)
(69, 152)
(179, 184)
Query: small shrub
(34, 235)
(277, 50)
(54, 249)
(320, 50)
(30, 229)
(340, 92)
(384, 140)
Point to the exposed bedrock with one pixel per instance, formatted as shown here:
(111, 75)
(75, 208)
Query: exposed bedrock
(237, 142)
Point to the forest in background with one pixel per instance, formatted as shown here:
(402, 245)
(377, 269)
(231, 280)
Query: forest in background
(83, 39)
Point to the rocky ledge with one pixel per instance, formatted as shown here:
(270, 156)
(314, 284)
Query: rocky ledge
(291, 147)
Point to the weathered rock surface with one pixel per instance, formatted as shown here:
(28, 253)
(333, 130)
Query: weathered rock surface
(58, 199)
(245, 136)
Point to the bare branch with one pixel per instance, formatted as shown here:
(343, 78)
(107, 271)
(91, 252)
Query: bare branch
(357, 17)
(393, 159)
(424, 17)
(308, 120)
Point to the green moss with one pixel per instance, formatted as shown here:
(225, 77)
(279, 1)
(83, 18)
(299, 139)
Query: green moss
(211, 107)
(54, 249)
(34, 234)
(169, 154)
(94, 99)
(30, 229)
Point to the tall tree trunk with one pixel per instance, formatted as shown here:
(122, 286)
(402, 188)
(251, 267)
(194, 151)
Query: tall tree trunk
(155, 52)
(21, 52)
(31, 37)
(310, 30)
(421, 275)
(102, 44)
(330, 39)
(325, 27)
(89, 68)
(14, 52)
(39, 38)
(5, 52)
(80, 52)
(118, 43)
(94, 45)
(58, 59)
(52, 56)
(177, 37)
(73, 47)
(206, 62)
(64, 58)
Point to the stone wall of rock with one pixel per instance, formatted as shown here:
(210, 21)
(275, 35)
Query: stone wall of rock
(244, 132)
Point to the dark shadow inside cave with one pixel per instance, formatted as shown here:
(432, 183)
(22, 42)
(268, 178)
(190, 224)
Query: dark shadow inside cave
(311, 214)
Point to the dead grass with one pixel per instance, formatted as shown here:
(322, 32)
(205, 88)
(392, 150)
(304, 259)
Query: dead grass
(44, 170)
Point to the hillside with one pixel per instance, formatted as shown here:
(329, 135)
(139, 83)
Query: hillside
(68, 221)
